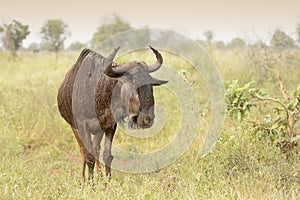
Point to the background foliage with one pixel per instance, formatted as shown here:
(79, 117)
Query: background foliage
(40, 157)
(13, 35)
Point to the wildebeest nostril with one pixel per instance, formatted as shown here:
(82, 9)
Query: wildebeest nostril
(147, 120)
(134, 119)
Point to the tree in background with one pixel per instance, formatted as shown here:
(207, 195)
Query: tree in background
(75, 46)
(54, 32)
(13, 36)
(33, 47)
(281, 40)
(1, 31)
(110, 27)
(209, 35)
(219, 45)
(298, 32)
(237, 43)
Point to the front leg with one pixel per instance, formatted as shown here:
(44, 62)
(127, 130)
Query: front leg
(96, 146)
(107, 156)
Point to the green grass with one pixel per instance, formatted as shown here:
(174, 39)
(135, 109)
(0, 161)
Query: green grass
(40, 159)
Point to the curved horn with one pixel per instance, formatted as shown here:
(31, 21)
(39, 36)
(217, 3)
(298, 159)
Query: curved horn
(112, 55)
(157, 65)
(123, 68)
(108, 66)
(112, 69)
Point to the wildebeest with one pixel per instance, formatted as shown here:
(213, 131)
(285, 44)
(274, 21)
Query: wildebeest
(97, 93)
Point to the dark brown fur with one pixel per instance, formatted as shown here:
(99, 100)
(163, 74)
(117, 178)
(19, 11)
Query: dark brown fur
(65, 91)
(105, 93)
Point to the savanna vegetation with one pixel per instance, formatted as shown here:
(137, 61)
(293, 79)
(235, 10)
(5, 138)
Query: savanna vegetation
(256, 156)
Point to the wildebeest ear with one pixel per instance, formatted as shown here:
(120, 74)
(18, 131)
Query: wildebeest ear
(156, 82)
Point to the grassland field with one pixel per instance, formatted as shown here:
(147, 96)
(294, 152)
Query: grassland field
(40, 158)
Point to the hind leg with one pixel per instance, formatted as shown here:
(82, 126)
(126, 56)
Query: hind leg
(107, 156)
(84, 136)
(81, 146)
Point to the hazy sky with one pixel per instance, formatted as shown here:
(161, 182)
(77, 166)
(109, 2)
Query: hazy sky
(249, 19)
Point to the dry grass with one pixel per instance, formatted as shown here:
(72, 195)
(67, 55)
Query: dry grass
(40, 158)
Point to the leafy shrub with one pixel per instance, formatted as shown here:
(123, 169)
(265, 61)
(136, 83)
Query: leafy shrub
(280, 126)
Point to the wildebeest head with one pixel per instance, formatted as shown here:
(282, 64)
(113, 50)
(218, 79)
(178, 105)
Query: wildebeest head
(135, 89)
